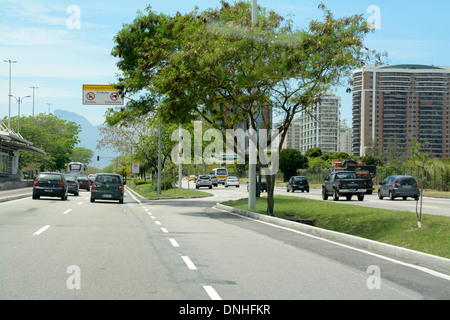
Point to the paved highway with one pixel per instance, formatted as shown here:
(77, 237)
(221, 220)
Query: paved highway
(184, 249)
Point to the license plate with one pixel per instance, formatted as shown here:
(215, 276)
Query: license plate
(352, 189)
(48, 190)
(107, 196)
(407, 186)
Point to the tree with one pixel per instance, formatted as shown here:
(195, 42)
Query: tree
(217, 65)
(313, 152)
(418, 153)
(55, 136)
(290, 161)
(83, 155)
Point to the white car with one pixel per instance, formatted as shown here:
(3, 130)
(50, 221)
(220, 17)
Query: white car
(232, 181)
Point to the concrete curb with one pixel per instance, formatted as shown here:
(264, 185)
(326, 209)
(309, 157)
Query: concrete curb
(20, 196)
(433, 262)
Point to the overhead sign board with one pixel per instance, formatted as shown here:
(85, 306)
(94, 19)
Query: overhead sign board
(94, 94)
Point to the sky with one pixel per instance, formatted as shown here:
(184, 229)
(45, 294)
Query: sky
(60, 45)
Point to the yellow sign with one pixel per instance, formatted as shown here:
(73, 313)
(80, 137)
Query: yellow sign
(94, 94)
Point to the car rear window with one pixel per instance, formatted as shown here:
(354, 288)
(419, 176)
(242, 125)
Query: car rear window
(406, 180)
(300, 179)
(47, 177)
(204, 177)
(108, 179)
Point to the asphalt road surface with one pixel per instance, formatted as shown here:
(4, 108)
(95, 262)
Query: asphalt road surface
(185, 250)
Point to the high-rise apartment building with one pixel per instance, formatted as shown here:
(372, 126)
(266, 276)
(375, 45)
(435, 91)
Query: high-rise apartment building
(401, 104)
(319, 127)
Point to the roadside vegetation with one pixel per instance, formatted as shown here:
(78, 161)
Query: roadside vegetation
(393, 227)
(149, 190)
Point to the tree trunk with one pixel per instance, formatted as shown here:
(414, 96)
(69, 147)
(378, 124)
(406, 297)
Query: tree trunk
(270, 180)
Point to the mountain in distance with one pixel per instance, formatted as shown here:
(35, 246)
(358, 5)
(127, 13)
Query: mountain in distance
(89, 137)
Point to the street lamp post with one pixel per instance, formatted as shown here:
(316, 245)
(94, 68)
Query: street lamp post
(9, 94)
(49, 104)
(19, 101)
(252, 149)
(32, 113)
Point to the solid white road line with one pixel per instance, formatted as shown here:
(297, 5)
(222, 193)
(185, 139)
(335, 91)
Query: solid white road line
(174, 243)
(189, 263)
(212, 293)
(41, 230)
(67, 211)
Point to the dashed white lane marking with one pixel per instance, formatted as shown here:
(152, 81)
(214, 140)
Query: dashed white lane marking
(79, 203)
(41, 230)
(164, 230)
(189, 263)
(158, 223)
(174, 243)
(67, 211)
(212, 293)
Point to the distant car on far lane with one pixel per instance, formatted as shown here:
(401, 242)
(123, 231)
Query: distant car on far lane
(72, 184)
(402, 186)
(232, 181)
(203, 180)
(215, 181)
(84, 183)
(297, 183)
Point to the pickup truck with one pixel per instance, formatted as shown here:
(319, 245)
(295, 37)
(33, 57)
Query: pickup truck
(343, 183)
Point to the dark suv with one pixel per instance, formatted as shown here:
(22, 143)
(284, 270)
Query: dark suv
(50, 184)
(107, 186)
(298, 183)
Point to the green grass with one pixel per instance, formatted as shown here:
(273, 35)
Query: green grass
(148, 191)
(393, 227)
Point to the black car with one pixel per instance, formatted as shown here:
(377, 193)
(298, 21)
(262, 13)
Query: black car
(262, 185)
(108, 186)
(72, 184)
(50, 184)
(298, 183)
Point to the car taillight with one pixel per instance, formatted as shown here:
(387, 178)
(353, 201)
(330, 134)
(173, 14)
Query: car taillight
(61, 184)
(94, 186)
(72, 182)
(209, 180)
(293, 182)
(36, 183)
(394, 185)
(417, 186)
(120, 187)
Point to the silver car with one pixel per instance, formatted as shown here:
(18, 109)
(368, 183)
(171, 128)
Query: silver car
(232, 181)
(399, 186)
(203, 181)
(215, 181)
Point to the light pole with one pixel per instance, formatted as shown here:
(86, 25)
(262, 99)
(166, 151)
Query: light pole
(252, 144)
(19, 101)
(9, 94)
(32, 113)
(49, 104)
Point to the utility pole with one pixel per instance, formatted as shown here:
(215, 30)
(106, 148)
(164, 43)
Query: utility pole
(180, 165)
(159, 158)
(32, 113)
(9, 94)
(252, 142)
